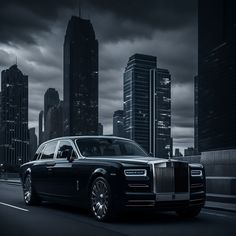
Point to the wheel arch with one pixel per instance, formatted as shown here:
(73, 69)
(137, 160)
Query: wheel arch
(27, 171)
(99, 172)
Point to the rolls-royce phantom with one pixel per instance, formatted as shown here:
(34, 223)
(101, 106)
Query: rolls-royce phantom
(108, 174)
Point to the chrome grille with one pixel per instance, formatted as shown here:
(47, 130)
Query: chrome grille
(171, 177)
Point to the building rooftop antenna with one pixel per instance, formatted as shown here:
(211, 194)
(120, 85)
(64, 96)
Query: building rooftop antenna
(78, 8)
(79, 2)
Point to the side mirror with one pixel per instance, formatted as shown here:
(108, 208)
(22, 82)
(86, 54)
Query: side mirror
(71, 155)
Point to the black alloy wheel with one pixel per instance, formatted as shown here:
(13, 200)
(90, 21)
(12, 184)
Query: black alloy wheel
(30, 196)
(101, 199)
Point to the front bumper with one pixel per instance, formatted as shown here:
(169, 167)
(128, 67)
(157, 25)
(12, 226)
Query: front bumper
(150, 200)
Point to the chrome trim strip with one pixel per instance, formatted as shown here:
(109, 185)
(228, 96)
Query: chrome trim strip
(134, 200)
(138, 185)
(141, 205)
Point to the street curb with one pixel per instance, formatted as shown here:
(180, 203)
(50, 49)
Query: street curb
(220, 209)
(18, 183)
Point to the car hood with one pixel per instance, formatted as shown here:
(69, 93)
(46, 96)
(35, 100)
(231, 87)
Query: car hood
(132, 159)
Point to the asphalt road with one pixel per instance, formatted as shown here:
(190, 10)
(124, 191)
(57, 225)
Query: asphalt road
(52, 219)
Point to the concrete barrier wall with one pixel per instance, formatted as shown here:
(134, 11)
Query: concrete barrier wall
(220, 163)
(221, 185)
(220, 167)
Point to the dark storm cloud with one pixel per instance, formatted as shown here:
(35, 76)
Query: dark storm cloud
(21, 20)
(34, 31)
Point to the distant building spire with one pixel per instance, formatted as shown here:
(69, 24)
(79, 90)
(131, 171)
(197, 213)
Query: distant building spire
(79, 2)
(78, 8)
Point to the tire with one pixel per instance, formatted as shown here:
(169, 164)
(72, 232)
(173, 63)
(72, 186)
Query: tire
(101, 203)
(30, 196)
(189, 212)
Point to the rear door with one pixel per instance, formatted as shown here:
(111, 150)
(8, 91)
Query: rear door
(65, 176)
(42, 170)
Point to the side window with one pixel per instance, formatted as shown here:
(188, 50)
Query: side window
(49, 150)
(64, 149)
(38, 152)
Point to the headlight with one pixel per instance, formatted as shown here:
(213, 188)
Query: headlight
(196, 173)
(135, 172)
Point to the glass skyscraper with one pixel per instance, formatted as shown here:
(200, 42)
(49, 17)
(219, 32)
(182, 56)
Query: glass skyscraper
(14, 117)
(118, 123)
(80, 78)
(51, 99)
(147, 105)
(216, 75)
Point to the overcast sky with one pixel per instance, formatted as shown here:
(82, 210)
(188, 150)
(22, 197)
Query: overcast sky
(34, 32)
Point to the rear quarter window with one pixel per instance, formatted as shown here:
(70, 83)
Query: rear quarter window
(38, 152)
(49, 151)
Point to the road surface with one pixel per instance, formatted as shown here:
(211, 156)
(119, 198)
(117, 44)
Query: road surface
(53, 219)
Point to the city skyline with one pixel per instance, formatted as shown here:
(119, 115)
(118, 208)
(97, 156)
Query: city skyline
(172, 45)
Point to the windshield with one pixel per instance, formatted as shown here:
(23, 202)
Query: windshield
(90, 147)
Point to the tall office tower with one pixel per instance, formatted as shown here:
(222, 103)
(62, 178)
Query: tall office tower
(14, 117)
(51, 98)
(100, 129)
(32, 143)
(40, 127)
(54, 121)
(216, 75)
(80, 78)
(196, 115)
(118, 123)
(0, 105)
(147, 104)
(1, 131)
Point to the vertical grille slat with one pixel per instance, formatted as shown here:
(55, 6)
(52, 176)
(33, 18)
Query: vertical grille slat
(165, 180)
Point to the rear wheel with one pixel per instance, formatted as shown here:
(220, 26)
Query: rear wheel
(189, 212)
(101, 203)
(30, 196)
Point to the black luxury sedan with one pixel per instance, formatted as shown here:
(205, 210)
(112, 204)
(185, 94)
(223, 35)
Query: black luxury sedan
(109, 174)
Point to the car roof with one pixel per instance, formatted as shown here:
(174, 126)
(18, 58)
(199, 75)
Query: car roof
(85, 137)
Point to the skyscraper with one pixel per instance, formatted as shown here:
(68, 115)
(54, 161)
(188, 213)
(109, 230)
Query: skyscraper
(216, 75)
(196, 115)
(80, 78)
(118, 123)
(100, 129)
(51, 98)
(0, 106)
(40, 127)
(54, 121)
(32, 143)
(147, 104)
(14, 117)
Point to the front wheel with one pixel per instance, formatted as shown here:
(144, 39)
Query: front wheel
(189, 212)
(30, 196)
(101, 203)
